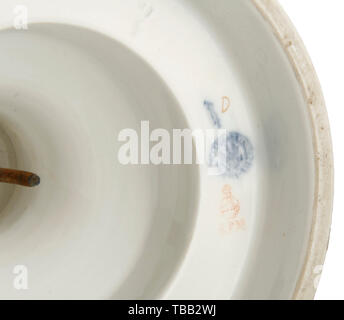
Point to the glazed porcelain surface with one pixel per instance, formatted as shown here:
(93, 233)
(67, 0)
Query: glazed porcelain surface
(96, 229)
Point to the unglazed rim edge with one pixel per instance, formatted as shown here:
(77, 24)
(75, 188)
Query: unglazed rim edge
(322, 143)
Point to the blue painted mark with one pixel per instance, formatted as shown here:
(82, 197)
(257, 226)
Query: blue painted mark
(214, 117)
(232, 154)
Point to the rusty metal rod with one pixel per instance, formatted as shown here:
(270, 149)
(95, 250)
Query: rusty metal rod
(21, 178)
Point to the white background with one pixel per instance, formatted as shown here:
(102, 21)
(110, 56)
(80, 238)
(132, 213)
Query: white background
(321, 25)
